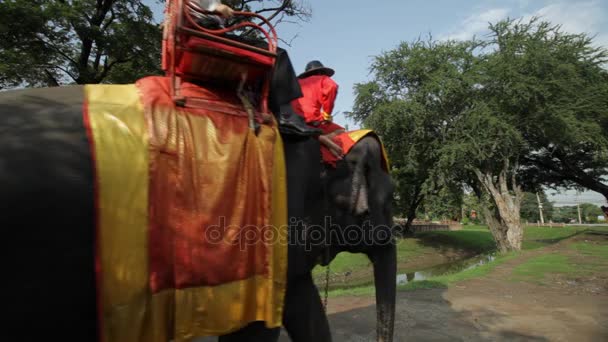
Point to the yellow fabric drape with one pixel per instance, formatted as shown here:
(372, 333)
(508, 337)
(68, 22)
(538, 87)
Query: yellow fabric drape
(133, 130)
(360, 134)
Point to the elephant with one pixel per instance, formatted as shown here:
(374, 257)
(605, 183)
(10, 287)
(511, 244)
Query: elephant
(47, 201)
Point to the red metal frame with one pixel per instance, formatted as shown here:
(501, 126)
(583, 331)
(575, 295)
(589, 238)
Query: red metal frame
(181, 27)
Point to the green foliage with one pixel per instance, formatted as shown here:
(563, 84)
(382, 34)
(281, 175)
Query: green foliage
(416, 91)
(529, 207)
(470, 203)
(58, 42)
(567, 214)
(444, 204)
(590, 212)
(553, 87)
(527, 106)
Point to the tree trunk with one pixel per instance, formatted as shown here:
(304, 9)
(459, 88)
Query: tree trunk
(507, 239)
(503, 216)
(411, 212)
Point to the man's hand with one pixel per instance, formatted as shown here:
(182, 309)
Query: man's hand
(326, 116)
(336, 150)
(225, 11)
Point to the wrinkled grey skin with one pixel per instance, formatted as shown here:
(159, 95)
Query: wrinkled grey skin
(46, 177)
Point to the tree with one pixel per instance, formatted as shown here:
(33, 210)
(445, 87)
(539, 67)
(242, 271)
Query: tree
(491, 114)
(445, 204)
(276, 11)
(488, 146)
(57, 42)
(472, 208)
(568, 214)
(590, 212)
(565, 214)
(432, 93)
(529, 207)
(558, 91)
(549, 89)
(417, 91)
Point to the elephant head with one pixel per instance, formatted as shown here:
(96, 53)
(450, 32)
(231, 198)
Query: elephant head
(359, 194)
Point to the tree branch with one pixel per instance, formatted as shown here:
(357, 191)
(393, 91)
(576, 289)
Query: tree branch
(245, 2)
(103, 6)
(107, 67)
(276, 10)
(110, 20)
(290, 41)
(62, 69)
(97, 57)
(51, 79)
(58, 50)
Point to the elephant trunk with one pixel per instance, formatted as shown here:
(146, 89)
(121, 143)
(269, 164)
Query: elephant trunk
(385, 278)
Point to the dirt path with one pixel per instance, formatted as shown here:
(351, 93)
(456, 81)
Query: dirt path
(492, 308)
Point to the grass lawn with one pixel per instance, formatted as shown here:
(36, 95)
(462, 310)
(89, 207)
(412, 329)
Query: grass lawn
(536, 269)
(600, 251)
(477, 240)
(588, 257)
(445, 280)
(474, 239)
(434, 282)
(406, 249)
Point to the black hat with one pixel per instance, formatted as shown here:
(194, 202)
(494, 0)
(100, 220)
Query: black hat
(316, 68)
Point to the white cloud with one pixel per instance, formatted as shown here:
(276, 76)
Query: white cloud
(523, 4)
(476, 24)
(576, 17)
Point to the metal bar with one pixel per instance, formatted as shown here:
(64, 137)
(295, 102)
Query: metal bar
(222, 54)
(226, 41)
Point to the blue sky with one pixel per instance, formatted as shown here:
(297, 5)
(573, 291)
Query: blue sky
(346, 34)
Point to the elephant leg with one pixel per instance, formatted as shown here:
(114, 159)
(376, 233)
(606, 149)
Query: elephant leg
(304, 317)
(254, 332)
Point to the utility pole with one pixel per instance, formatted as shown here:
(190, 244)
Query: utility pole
(540, 209)
(578, 208)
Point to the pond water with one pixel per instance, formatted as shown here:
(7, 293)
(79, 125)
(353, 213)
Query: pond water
(446, 268)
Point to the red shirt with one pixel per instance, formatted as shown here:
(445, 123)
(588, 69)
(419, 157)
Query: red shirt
(319, 93)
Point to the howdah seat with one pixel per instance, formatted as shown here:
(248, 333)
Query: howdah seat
(217, 58)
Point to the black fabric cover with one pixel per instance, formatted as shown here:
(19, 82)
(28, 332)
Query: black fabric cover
(47, 210)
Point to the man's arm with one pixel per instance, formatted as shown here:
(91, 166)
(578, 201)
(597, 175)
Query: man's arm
(215, 5)
(330, 92)
(208, 5)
